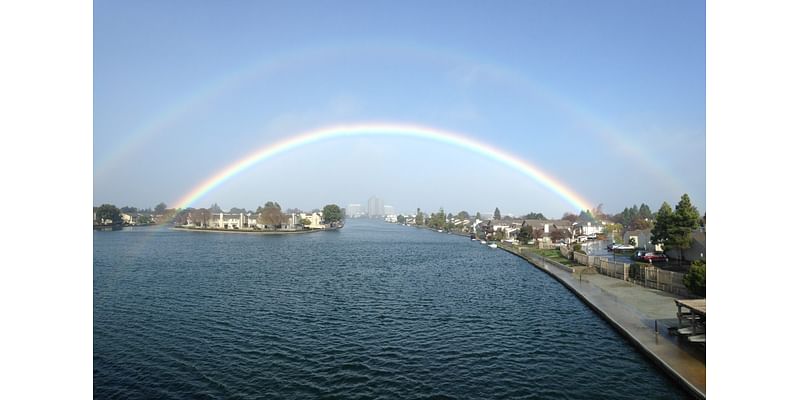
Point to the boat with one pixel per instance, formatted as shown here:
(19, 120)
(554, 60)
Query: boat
(483, 242)
(440, 231)
(493, 245)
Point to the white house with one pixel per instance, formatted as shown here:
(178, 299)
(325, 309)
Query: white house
(315, 218)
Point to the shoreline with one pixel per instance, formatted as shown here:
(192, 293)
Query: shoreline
(251, 232)
(677, 363)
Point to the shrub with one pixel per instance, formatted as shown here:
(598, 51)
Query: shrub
(695, 279)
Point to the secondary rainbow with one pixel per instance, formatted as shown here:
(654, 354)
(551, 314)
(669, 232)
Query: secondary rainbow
(384, 129)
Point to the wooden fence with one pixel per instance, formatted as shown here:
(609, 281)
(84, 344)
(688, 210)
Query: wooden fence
(640, 274)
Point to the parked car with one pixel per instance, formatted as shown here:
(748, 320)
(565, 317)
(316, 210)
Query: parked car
(639, 255)
(655, 257)
(619, 247)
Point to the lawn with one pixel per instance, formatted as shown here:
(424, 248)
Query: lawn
(553, 254)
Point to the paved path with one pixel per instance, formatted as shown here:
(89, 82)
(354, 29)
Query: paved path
(634, 310)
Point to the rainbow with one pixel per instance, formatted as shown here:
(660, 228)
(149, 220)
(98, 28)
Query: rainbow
(383, 129)
(212, 90)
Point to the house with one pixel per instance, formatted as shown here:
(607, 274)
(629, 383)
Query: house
(696, 251)
(641, 239)
(548, 226)
(127, 219)
(508, 227)
(588, 228)
(315, 218)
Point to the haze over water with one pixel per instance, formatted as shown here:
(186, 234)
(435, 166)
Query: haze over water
(372, 311)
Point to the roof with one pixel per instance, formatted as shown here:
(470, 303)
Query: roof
(535, 223)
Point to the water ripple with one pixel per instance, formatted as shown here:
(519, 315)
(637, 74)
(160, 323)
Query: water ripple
(374, 311)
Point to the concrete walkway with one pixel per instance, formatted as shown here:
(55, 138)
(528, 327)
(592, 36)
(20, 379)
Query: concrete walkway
(634, 310)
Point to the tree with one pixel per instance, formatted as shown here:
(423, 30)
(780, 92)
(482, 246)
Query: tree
(538, 234)
(673, 230)
(557, 234)
(270, 214)
(236, 210)
(497, 213)
(598, 212)
(686, 219)
(437, 220)
(614, 229)
(419, 219)
(644, 212)
(128, 210)
(570, 217)
(660, 234)
(144, 219)
(533, 215)
(525, 234)
(586, 216)
(477, 215)
(695, 278)
(401, 219)
(463, 215)
(305, 222)
(639, 223)
(331, 213)
(108, 212)
(160, 208)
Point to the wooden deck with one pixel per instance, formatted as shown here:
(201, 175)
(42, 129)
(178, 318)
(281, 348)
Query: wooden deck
(696, 316)
(698, 305)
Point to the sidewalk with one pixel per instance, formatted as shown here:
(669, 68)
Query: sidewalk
(634, 310)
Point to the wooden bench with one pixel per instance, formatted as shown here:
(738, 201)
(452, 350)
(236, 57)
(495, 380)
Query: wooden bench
(697, 338)
(688, 331)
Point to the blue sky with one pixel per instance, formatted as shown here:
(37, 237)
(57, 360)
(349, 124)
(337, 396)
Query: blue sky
(608, 97)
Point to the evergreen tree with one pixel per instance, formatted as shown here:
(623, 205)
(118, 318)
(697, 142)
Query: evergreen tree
(497, 213)
(644, 211)
(685, 219)
(661, 232)
(525, 234)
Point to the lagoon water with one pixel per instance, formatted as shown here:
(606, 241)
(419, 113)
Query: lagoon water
(371, 311)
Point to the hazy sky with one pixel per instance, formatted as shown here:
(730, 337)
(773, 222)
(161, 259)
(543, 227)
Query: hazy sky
(607, 97)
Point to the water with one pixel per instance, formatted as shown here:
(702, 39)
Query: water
(372, 311)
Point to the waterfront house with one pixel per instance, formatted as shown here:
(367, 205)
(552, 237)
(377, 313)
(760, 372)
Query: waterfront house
(127, 219)
(588, 228)
(548, 226)
(315, 218)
